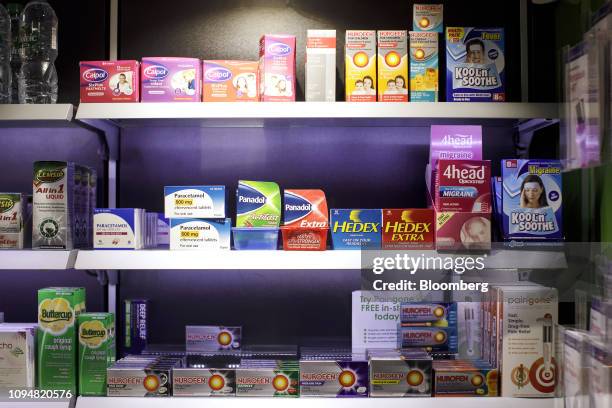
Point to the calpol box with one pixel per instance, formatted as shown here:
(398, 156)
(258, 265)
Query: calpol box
(463, 230)
(392, 62)
(532, 199)
(306, 220)
(424, 67)
(408, 229)
(321, 66)
(258, 204)
(356, 229)
(463, 186)
(171, 79)
(475, 64)
(110, 81)
(277, 68)
(12, 219)
(360, 66)
(428, 17)
(230, 81)
(96, 351)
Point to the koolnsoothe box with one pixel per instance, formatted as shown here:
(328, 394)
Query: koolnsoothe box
(17, 355)
(194, 201)
(96, 351)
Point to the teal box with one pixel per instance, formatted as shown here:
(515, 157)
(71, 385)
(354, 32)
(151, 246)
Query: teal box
(356, 229)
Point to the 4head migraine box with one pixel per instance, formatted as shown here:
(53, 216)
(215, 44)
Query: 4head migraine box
(356, 229)
(195, 233)
(230, 81)
(532, 199)
(277, 68)
(194, 201)
(428, 17)
(110, 81)
(212, 338)
(424, 70)
(408, 229)
(463, 186)
(12, 214)
(96, 351)
(475, 64)
(392, 62)
(360, 66)
(171, 79)
(306, 220)
(258, 204)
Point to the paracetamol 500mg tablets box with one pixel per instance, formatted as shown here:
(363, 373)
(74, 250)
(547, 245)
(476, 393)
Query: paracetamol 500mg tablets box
(194, 233)
(118, 228)
(194, 201)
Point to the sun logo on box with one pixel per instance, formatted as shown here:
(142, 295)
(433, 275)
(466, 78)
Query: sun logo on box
(361, 59)
(415, 378)
(224, 338)
(280, 383)
(347, 378)
(393, 59)
(151, 383)
(216, 382)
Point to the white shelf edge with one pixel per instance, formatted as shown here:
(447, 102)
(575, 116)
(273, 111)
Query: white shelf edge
(35, 113)
(35, 404)
(37, 259)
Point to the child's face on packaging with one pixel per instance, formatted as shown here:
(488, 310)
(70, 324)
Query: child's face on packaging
(367, 83)
(477, 230)
(399, 82)
(359, 86)
(391, 86)
(474, 54)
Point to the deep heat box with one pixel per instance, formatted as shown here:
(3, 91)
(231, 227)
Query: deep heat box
(463, 186)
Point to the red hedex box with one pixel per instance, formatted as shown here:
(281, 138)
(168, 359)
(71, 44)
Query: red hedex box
(306, 220)
(463, 186)
(110, 81)
(408, 229)
(463, 231)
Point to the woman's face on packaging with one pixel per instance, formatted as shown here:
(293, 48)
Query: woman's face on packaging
(399, 82)
(533, 192)
(477, 230)
(122, 79)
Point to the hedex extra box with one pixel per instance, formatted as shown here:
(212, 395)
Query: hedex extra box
(277, 68)
(230, 81)
(110, 81)
(463, 186)
(408, 229)
(171, 79)
(360, 66)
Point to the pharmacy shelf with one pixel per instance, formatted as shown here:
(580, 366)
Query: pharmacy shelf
(286, 260)
(43, 260)
(128, 402)
(303, 113)
(52, 115)
(36, 404)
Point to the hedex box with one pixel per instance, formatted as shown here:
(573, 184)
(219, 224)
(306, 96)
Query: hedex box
(408, 229)
(17, 355)
(475, 65)
(277, 68)
(230, 81)
(356, 229)
(203, 382)
(532, 199)
(463, 230)
(110, 81)
(428, 17)
(392, 62)
(400, 375)
(423, 66)
(258, 204)
(321, 66)
(463, 186)
(12, 219)
(306, 220)
(212, 338)
(268, 378)
(118, 228)
(197, 234)
(328, 377)
(194, 201)
(465, 378)
(171, 79)
(360, 66)
(96, 351)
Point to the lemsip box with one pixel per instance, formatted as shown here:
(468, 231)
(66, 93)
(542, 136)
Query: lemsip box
(194, 201)
(213, 338)
(277, 68)
(12, 212)
(171, 79)
(118, 228)
(392, 63)
(360, 66)
(356, 229)
(110, 81)
(196, 234)
(463, 186)
(408, 229)
(321, 66)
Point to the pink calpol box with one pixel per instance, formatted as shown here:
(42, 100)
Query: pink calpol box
(171, 79)
(277, 68)
(109, 81)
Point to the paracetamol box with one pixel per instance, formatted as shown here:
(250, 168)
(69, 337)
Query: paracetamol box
(258, 204)
(532, 199)
(118, 228)
(356, 229)
(408, 229)
(136, 330)
(463, 230)
(110, 81)
(213, 338)
(424, 72)
(195, 234)
(465, 378)
(163, 231)
(392, 63)
(475, 64)
(171, 79)
(321, 66)
(230, 81)
(360, 66)
(329, 377)
(58, 310)
(277, 68)
(203, 382)
(194, 201)
(428, 17)
(12, 220)
(463, 186)
(268, 378)
(96, 351)
(408, 375)
(17, 355)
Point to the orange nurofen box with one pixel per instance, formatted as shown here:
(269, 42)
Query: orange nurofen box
(408, 229)
(230, 81)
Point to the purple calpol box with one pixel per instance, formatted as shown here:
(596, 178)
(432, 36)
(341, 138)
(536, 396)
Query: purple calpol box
(171, 79)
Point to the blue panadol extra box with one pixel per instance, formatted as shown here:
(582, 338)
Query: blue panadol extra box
(118, 228)
(194, 234)
(356, 229)
(194, 201)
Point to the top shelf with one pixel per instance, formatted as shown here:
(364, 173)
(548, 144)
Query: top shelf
(36, 115)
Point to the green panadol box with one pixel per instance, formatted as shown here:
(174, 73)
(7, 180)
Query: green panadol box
(96, 351)
(58, 310)
(258, 204)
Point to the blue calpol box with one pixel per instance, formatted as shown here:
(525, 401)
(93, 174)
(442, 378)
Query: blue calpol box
(532, 202)
(475, 65)
(356, 229)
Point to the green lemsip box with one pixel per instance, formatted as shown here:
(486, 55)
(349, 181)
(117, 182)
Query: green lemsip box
(258, 204)
(96, 351)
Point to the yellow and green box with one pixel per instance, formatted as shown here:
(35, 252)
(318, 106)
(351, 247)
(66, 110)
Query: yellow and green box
(96, 351)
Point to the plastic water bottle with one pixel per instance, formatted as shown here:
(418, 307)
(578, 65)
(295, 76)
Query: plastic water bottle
(5, 56)
(38, 41)
(14, 10)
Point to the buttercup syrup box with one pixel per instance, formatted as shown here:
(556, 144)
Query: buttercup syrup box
(408, 229)
(463, 186)
(475, 64)
(360, 66)
(268, 378)
(110, 81)
(194, 201)
(306, 220)
(356, 229)
(532, 199)
(213, 338)
(17, 355)
(321, 66)
(171, 79)
(258, 204)
(463, 230)
(326, 376)
(230, 81)
(12, 219)
(197, 234)
(277, 68)
(423, 66)
(392, 62)
(96, 351)
(428, 17)
(394, 374)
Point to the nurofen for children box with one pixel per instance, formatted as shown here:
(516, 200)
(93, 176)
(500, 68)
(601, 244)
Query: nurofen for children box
(277, 68)
(268, 378)
(360, 66)
(258, 204)
(392, 63)
(212, 338)
(356, 229)
(17, 355)
(463, 186)
(118, 228)
(194, 201)
(196, 233)
(428, 17)
(306, 220)
(171, 79)
(475, 64)
(96, 351)
(12, 220)
(110, 81)
(424, 66)
(463, 230)
(532, 200)
(408, 229)
(230, 81)
(321, 66)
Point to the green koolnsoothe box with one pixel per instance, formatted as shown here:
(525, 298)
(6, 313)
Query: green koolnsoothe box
(258, 204)
(58, 310)
(96, 351)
